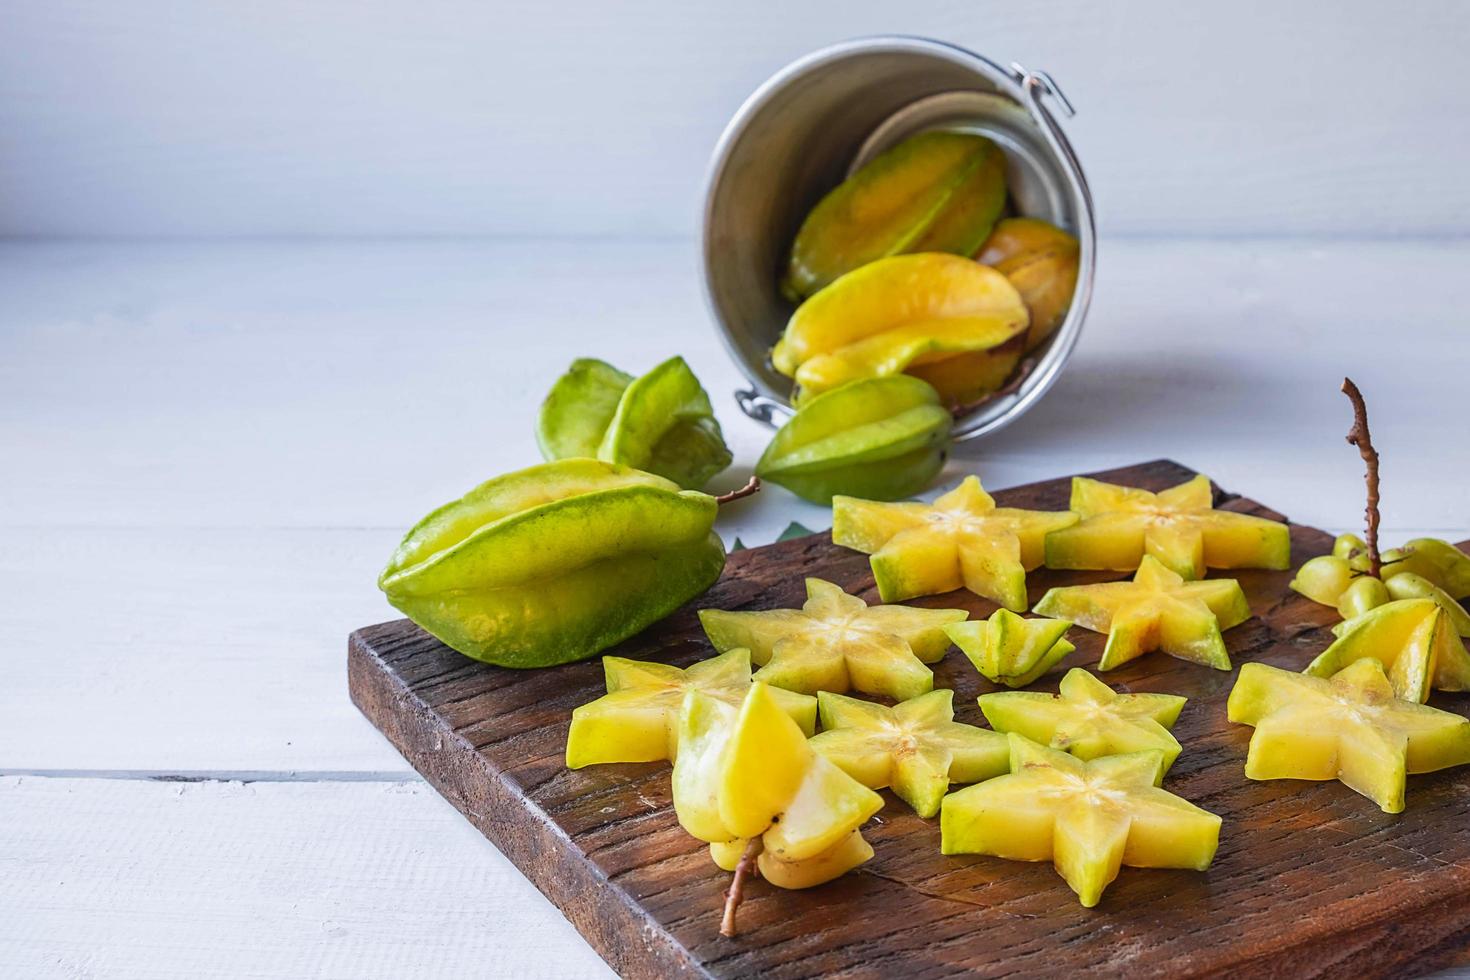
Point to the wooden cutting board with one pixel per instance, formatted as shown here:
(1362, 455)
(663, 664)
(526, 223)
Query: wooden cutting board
(1310, 879)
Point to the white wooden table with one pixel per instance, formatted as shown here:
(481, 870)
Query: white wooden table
(207, 451)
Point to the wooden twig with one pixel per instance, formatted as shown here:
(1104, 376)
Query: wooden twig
(751, 487)
(743, 870)
(1359, 436)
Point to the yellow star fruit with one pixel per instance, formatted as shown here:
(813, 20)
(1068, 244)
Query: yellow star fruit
(1414, 640)
(1349, 727)
(1010, 650)
(916, 746)
(962, 539)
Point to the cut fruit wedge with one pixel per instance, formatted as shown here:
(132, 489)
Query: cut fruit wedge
(1088, 718)
(837, 642)
(1350, 728)
(1008, 649)
(1413, 639)
(1087, 818)
(916, 747)
(1158, 610)
(961, 540)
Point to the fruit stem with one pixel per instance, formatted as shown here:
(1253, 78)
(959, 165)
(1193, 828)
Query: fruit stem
(1359, 436)
(751, 487)
(745, 868)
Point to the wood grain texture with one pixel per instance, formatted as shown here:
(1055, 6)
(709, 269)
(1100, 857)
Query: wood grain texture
(1310, 880)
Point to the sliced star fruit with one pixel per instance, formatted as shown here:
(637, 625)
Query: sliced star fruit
(638, 719)
(1349, 727)
(1087, 818)
(916, 746)
(880, 438)
(1178, 526)
(934, 192)
(661, 423)
(1158, 610)
(1088, 719)
(837, 642)
(962, 540)
(1041, 261)
(896, 313)
(1407, 585)
(1008, 649)
(1413, 639)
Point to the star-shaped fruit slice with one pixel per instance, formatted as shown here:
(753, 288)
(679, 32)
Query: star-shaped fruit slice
(1179, 526)
(638, 719)
(1158, 610)
(748, 771)
(837, 642)
(1349, 727)
(1414, 640)
(962, 539)
(1008, 649)
(1088, 718)
(1088, 818)
(916, 746)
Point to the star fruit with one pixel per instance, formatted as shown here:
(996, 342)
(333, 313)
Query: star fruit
(1158, 610)
(1413, 639)
(1010, 650)
(878, 438)
(894, 313)
(1349, 727)
(934, 192)
(916, 746)
(748, 771)
(637, 720)
(1088, 818)
(837, 642)
(1088, 718)
(1178, 526)
(1041, 261)
(662, 423)
(555, 562)
(1425, 567)
(962, 540)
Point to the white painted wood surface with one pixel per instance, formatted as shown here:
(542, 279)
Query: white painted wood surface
(208, 451)
(462, 117)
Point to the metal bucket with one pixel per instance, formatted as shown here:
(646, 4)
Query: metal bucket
(821, 117)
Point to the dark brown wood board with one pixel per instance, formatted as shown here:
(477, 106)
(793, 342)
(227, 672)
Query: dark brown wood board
(1311, 879)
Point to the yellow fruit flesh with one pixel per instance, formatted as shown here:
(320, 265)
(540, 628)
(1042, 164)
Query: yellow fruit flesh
(1088, 719)
(1350, 728)
(834, 862)
(837, 642)
(962, 540)
(1010, 650)
(1413, 639)
(1178, 526)
(1158, 610)
(916, 747)
(1088, 818)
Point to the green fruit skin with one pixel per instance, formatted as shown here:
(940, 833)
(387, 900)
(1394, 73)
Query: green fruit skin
(579, 408)
(518, 578)
(877, 439)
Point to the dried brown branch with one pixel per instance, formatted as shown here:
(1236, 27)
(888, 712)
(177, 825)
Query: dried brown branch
(743, 870)
(751, 487)
(1359, 436)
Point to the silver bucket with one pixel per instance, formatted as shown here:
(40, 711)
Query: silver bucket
(824, 115)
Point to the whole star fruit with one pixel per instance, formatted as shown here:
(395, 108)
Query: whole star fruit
(555, 563)
(637, 720)
(1349, 727)
(1087, 818)
(1408, 585)
(878, 438)
(1041, 261)
(934, 192)
(1178, 526)
(961, 540)
(916, 747)
(1158, 610)
(837, 642)
(1088, 719)
(749, 771)
(661, 423)
(896, 313)
(1009, 649)
(1413, 639)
